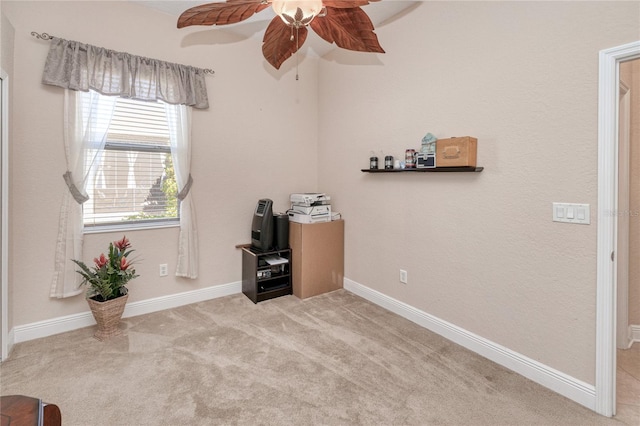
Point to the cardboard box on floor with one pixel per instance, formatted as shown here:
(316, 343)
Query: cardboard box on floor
(317, 257)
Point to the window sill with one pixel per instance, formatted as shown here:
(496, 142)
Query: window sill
(100, 229)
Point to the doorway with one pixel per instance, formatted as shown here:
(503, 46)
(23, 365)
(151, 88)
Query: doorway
(607, 250)
(628, 272)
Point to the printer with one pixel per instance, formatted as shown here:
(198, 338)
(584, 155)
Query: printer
(310, 207)
(309, 199)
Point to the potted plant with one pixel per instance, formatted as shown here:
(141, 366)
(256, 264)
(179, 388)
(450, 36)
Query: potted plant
(107, 294)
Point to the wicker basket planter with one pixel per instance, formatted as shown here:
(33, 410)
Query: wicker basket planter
(107, 315)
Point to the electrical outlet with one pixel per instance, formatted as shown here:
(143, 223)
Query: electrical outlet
(403, 276)
(164, 269)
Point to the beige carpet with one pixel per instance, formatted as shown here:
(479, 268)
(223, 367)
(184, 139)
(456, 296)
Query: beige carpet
(334, 359)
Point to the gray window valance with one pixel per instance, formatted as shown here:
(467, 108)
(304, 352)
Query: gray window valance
(78, 66)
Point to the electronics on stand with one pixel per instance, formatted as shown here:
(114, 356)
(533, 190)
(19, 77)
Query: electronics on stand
(309, 199)
(262, 225)
(281, 231)
(312, 210)
(310, 207)
(269, 230)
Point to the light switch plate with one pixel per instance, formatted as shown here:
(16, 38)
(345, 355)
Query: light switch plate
(164, 269)
(572, 213)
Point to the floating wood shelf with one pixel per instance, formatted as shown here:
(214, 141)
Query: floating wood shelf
(432, 170)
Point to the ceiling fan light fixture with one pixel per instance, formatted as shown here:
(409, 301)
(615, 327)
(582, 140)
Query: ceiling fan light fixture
(297, 13)
(343, 23)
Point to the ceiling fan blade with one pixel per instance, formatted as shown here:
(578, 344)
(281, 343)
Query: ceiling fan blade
(277, 45)
(348, 28)
(346, 4)
(230, 12)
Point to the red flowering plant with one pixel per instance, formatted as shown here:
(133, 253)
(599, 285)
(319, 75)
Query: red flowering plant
(108, 276)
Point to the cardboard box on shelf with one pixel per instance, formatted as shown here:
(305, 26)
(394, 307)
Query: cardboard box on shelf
(457, 152)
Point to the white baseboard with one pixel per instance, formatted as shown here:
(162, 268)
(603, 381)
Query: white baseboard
(570, 387)
(574, 389)
(635, 333)
(36, 330)
(11, 340)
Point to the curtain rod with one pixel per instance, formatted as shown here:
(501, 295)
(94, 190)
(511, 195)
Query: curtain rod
(45, 36)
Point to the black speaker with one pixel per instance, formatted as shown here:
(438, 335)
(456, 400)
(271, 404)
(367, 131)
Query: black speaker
(281, 231)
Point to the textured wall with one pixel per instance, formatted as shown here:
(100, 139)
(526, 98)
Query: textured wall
(481, 249)
(256, 140)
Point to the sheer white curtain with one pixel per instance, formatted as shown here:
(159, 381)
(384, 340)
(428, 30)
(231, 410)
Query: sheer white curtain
(86, 120)
(179, 121)
(82, 67)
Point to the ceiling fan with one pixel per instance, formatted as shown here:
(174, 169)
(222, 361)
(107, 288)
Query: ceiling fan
(342, 22)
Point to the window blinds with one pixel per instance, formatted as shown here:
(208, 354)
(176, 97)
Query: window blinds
(134, 180)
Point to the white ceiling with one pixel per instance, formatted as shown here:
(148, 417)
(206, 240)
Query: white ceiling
(380, 13)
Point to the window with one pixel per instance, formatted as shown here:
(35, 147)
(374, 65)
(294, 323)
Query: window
(133, 180)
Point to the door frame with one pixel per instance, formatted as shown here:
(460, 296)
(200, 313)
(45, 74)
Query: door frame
(4, 216)
(608, 95)
(623, 216)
